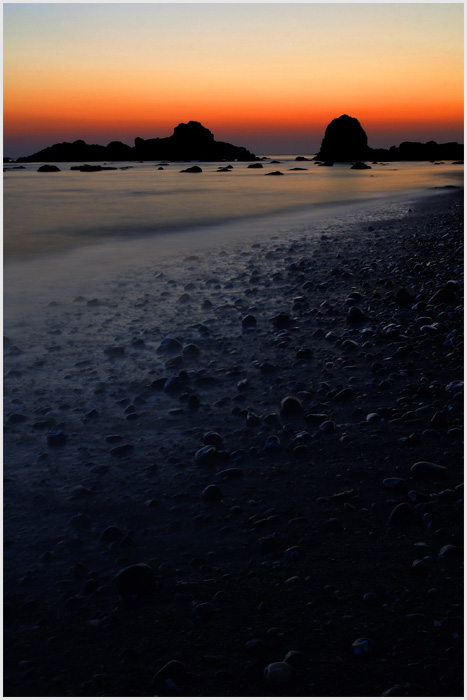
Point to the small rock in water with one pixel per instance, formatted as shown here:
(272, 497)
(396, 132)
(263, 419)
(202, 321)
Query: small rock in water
(282, 321)
(212, 438)
(170, 345)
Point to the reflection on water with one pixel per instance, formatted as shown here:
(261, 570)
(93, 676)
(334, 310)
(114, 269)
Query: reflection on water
(44, 212)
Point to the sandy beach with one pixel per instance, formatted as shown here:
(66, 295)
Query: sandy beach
(245, 456)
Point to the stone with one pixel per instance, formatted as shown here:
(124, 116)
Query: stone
(274, 172)
(401, 515)
(206, 456)
(428, 470)
(137, 579)
(169, 678)
(112, 534)
(114, 351)
(355, 315)
(48, 169)
(249, 322)
(344, 140)
(444, 295)
(121, 450)
(212, 494)
(282, 321)
(213, 438)
(278, 674)
(193, 169)
(394, 483)
(291, 407)
(170, 345)
(56, 439)
(360, 166)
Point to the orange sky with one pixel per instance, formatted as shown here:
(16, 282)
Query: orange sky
(268, 77)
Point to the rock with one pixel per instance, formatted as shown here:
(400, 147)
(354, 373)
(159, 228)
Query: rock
(328, 427)
(400, 515)
(213, 438)
(394, 483)
(121, 450)
(333, 525)
(56, 439)
(296, 659)
(249, 322)
(291, 407)
(278, 674)
(174, 385)
(404, 297)
(170, 345)
(206, 456)
(212, 494)
(255, 165)
(193, 169)
(362, 645)
(136, 580)
(274, 172)
(191, 350)
(344, 395)
(360, 166)
(344, 140)
(112, 534)
(444, 295)
(428, 470)
(355, 315)
(169, 678)
(48, 169)
(114, 351)
(282, 321)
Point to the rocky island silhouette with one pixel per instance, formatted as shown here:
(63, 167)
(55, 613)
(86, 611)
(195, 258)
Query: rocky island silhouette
(344, 140)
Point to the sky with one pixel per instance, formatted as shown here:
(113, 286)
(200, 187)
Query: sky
(267, 76)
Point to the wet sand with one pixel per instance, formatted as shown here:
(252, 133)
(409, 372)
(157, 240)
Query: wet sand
(267, 526)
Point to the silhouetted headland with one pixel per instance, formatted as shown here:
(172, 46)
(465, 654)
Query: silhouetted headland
(345, 140)
(190, 141)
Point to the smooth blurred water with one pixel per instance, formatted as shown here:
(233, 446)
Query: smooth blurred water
(50, 212)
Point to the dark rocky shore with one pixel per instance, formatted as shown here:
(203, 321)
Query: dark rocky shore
(254, 462)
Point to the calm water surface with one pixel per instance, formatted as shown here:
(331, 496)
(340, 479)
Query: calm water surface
(50, 212)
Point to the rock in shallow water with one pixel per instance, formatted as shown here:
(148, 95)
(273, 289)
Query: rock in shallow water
(278, 674)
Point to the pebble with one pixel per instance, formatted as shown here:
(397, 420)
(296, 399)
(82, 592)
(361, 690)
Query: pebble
(249, 322)
(112, 534)
(401, 515)
(212, 494)
(355, 315)
(56, 439)
(278, 674)
(170, 345)
(121, 450)
(291, 407)
(137, 580)
(395, 483)
(428, 470)
(362, 645)
(206, 456)
(169, 678)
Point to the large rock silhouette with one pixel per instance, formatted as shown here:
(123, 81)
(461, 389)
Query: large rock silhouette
(344, 140)
(191, 141)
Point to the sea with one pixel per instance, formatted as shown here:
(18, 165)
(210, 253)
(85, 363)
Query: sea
(66, 231)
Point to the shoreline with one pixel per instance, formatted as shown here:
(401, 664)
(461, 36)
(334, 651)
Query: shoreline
(294, 548)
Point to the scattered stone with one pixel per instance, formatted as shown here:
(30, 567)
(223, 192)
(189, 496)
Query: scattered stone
(360, 166)
(112, 534)
(248, 322)
(170, 345)
(282, 321)
(193, 169)
(362, 646)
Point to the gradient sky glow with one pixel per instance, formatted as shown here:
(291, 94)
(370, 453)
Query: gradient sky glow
(266, 76)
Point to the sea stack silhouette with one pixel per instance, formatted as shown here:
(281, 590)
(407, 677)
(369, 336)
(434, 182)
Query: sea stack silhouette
(344, 140)
(191, 141)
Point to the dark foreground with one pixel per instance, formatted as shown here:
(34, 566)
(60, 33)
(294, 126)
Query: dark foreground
(304, 545)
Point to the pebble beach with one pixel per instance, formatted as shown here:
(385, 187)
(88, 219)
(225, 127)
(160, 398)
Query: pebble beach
(239, 473)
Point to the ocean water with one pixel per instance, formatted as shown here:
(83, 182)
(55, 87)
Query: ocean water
(49, 212)
(70, 233)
